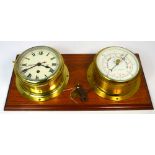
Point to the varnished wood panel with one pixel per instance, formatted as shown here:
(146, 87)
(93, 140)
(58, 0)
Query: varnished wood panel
(78, 65)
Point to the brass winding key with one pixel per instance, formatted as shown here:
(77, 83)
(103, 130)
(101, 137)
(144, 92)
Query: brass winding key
(79, 92)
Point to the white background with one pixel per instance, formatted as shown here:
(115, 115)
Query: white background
(81, 133)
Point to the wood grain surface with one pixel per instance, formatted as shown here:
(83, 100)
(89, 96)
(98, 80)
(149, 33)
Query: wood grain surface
(78, 65)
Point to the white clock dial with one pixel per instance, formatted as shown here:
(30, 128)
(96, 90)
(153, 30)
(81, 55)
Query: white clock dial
(117, 63)
(38, 64)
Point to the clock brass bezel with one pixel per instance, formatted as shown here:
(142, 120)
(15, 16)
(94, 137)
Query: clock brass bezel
(106, 87)
(44, 89)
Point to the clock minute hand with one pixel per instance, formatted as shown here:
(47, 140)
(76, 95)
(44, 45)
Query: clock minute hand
(25, 70)
(38, 64)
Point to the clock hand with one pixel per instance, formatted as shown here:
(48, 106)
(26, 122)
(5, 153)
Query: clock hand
(46, 66)
(35, 64)
(25, 70)
(38, 64)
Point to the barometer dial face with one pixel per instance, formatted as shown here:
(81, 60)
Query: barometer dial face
(38, 63)
(117, 64)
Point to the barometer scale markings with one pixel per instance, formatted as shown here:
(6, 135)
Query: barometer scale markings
(108, 61)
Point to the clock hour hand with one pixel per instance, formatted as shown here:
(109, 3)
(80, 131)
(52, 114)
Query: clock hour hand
(46, 66)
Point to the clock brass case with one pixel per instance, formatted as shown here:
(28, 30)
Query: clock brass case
(109, 88)
(43, 90)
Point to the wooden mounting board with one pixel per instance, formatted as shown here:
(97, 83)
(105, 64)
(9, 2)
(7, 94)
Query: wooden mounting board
(78, 65)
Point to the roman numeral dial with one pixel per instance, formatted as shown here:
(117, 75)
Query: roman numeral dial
(39, 64)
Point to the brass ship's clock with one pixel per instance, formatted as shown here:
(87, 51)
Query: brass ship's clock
(40, 73)
(115, 73)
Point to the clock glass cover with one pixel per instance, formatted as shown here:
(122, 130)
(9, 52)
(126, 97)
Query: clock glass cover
(38, 63)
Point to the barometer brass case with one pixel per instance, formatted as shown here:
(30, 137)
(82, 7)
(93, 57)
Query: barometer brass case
(108, 88)
(44, 89)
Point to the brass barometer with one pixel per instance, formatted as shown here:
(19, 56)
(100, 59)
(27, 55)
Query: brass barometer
(40, 73)
(115, 73)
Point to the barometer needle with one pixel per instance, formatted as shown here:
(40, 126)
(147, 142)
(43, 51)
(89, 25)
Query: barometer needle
(117, 63)
(113, 68)
(124, 57)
